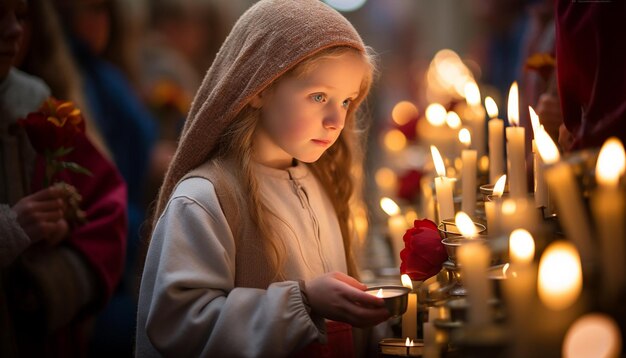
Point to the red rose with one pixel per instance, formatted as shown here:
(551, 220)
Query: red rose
(423, 253)
(409, 185)
(55, 125)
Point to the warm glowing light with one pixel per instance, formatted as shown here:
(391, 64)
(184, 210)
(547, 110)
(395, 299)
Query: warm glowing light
(611, 163)
(453, 120)
(385, 178)
(548, 150)
(593, 335)
(410, 216)
(534, 120)
(505, 268)
(406, 281)
(389, 206)
(498, 188)
(513, 105)
(346, 5)
(483, 163)
(465, 137)
(403, 112)
(492, 107)
(509, 207)
(472, 94)
(560, 275)
(408, 342)
(395, 140)
(521, 247)
(436, 114)
(438, 161)
(379, 294)
(465, 225)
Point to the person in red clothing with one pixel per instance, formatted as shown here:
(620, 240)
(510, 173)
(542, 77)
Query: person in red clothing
(54, 276)
(590, 55)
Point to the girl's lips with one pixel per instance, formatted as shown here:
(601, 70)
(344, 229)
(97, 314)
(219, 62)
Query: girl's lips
(323, 142)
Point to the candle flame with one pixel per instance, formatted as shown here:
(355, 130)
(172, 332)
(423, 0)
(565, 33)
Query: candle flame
(534, 120)
(472, 94)
(611, 163)
(465, 224)
(521, 247)
(560, 275)
(408, 343)
(453, 120)
(505, 269)
(492, 107)
(438, 161)
(403, 112)
(548, 150)
(379, 294)
(465, 137)
(596, 334)
(406, 281)
(498, 188)
(513, 105)
(389, 206)
(436, 114)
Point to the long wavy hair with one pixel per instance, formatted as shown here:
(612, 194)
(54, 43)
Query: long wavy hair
(339, 169)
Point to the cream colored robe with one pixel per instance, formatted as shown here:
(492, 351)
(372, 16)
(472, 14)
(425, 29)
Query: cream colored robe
(188, 303)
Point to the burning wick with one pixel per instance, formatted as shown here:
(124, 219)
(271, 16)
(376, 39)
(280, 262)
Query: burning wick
(409, 343)
(379, 294)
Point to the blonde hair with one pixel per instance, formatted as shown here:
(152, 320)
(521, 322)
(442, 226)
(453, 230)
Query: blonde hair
(338, 169)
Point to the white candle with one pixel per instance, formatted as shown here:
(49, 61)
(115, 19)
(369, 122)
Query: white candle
(496, 141)
(431, 346)
(474, 259)
(436, 131)
(409, 318)
(444, 187)
(563, 186)
(607, 204)
(493, 208)
(542, 198)
(516, 148)
(468, 175)
(475, 116)
(386, 292)
(396, 225)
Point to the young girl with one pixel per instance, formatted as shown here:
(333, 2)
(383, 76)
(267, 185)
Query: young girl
(250, 253)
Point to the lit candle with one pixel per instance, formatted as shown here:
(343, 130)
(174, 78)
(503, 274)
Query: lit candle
(560, 276)
(516, 148)
(396, 224)
(474, 258)
(540, 185)
(607, 203)
(571, 212)
(468, 175)
(388, 292)
(466, 226)
(593, 335)
(436, 131)
(475, 116)
(493, 208)
(496, 141)
(409, 318)
(521, 248)
(444, 187)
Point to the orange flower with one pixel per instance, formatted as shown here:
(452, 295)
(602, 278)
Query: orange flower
(543, 63)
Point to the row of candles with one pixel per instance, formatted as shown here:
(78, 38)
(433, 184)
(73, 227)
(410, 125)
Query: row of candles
(558, 279)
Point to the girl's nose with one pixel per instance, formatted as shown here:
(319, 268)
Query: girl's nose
(335, 118)
(12, 28)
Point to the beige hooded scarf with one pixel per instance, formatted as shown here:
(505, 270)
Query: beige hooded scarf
(268, 40)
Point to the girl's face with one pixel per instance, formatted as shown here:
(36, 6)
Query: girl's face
(11, 31)
(301, 117)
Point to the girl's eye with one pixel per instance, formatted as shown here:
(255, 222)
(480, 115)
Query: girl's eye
(319, 97)
(346, 103)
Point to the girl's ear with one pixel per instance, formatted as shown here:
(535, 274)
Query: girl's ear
(257, 101)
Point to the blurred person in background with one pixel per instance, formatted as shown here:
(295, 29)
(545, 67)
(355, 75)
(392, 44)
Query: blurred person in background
(55, 273)
(100, 40)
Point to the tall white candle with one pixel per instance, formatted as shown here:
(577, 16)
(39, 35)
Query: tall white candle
(496, 141)
(563, 186)
(468, 174)
(397, 226)
(409, 318)
(493, 208)
(516, 148)
(475, 117)
(608, 207)
(542, 198)
(444, 187)
(474, 259)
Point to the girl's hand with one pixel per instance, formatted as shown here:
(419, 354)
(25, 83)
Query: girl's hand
(339, 297)
(42, 216)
